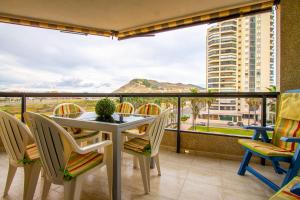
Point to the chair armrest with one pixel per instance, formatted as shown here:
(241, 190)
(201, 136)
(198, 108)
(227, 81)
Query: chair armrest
(290, 139)
(260, 130)
(92, 147)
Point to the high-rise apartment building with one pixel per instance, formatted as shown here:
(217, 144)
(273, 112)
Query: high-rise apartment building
(240, 58)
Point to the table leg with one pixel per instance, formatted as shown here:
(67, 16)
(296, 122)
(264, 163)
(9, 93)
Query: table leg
(116, 189)
(152, 163)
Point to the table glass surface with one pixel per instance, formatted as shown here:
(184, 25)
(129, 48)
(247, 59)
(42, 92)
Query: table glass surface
(115, 118)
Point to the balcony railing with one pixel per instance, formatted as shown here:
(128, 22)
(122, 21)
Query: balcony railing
(178, 98)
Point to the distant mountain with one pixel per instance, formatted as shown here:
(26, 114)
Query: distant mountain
(152, 86)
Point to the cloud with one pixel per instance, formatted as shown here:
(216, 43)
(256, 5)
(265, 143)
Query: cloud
(34, 59)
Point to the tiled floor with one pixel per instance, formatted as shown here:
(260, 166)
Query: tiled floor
(184, 177)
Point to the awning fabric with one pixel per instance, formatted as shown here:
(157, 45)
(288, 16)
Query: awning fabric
(198, 19)
(15, 13)
(55, 26)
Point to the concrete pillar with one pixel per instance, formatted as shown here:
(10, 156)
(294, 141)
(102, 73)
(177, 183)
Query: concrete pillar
(288, 45)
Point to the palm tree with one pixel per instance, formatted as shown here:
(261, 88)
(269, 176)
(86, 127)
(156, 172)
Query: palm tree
(209, 101)
(196, 105)
(272, 104)
(253, 103)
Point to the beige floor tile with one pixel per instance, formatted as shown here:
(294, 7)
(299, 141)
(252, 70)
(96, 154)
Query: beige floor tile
(195, 191)
(184, 177)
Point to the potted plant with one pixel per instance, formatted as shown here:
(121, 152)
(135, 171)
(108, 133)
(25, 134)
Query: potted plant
(105, 108)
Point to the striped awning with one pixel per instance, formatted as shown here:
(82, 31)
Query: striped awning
(55, 26)
(198, 19)
(127, 18)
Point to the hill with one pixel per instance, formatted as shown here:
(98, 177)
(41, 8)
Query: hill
(152, 86)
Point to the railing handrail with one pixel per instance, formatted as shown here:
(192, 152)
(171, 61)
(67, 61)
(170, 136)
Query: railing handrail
(200, 94)
(179, 96)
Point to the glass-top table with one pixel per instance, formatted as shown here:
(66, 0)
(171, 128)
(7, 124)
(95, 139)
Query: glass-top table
(115, 124)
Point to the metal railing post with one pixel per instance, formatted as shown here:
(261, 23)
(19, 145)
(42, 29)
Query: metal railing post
(178, 124)
(23, 106)
(263, 120)
(264, 111)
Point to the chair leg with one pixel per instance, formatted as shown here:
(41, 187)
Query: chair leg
(156, 159)
(291, 173)
(135, 162)
(143, 169)
(109, 167)
(46, 184)
(72, 189)
(147, 164)
(245, 163)
(10, 176)
(276, 166)
(31, 173)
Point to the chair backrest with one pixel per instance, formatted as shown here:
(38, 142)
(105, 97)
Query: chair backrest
(288, 120)
(125, 107)
(149, 109)
(67, 108)
(53, 142)
(15, 136)
(156, 131)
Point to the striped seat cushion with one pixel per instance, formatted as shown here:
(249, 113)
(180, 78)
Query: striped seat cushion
(138, 145)
(31, 154)
(265, 149)
(80, 163)
(286, 128)
(124, 108)
(285, 193)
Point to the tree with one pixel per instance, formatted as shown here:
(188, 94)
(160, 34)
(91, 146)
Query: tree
(196, 104)
(272, 104)
(209, 101)
(253, 104)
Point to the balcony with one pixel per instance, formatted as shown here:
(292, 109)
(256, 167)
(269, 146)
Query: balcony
(199, 155)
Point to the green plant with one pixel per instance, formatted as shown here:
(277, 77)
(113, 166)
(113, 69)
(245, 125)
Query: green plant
(184, 118)
(105, 107)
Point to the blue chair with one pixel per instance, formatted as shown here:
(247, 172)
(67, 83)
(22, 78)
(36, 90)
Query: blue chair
(284, 144)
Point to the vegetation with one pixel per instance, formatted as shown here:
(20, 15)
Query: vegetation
(272, 105)
(105, 107)
(253, 104)
(196, 105)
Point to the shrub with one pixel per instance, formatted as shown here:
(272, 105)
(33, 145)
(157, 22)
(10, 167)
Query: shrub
(105, 107)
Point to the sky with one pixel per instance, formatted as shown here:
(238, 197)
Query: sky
(34, 59)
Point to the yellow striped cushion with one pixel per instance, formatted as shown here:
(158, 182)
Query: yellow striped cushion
(138, 145)
(148, 109)
(67, 108)
(286, 128)
(80, 163)
(285, 193)
(264, 148)
(32, 152)
(124, 108)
